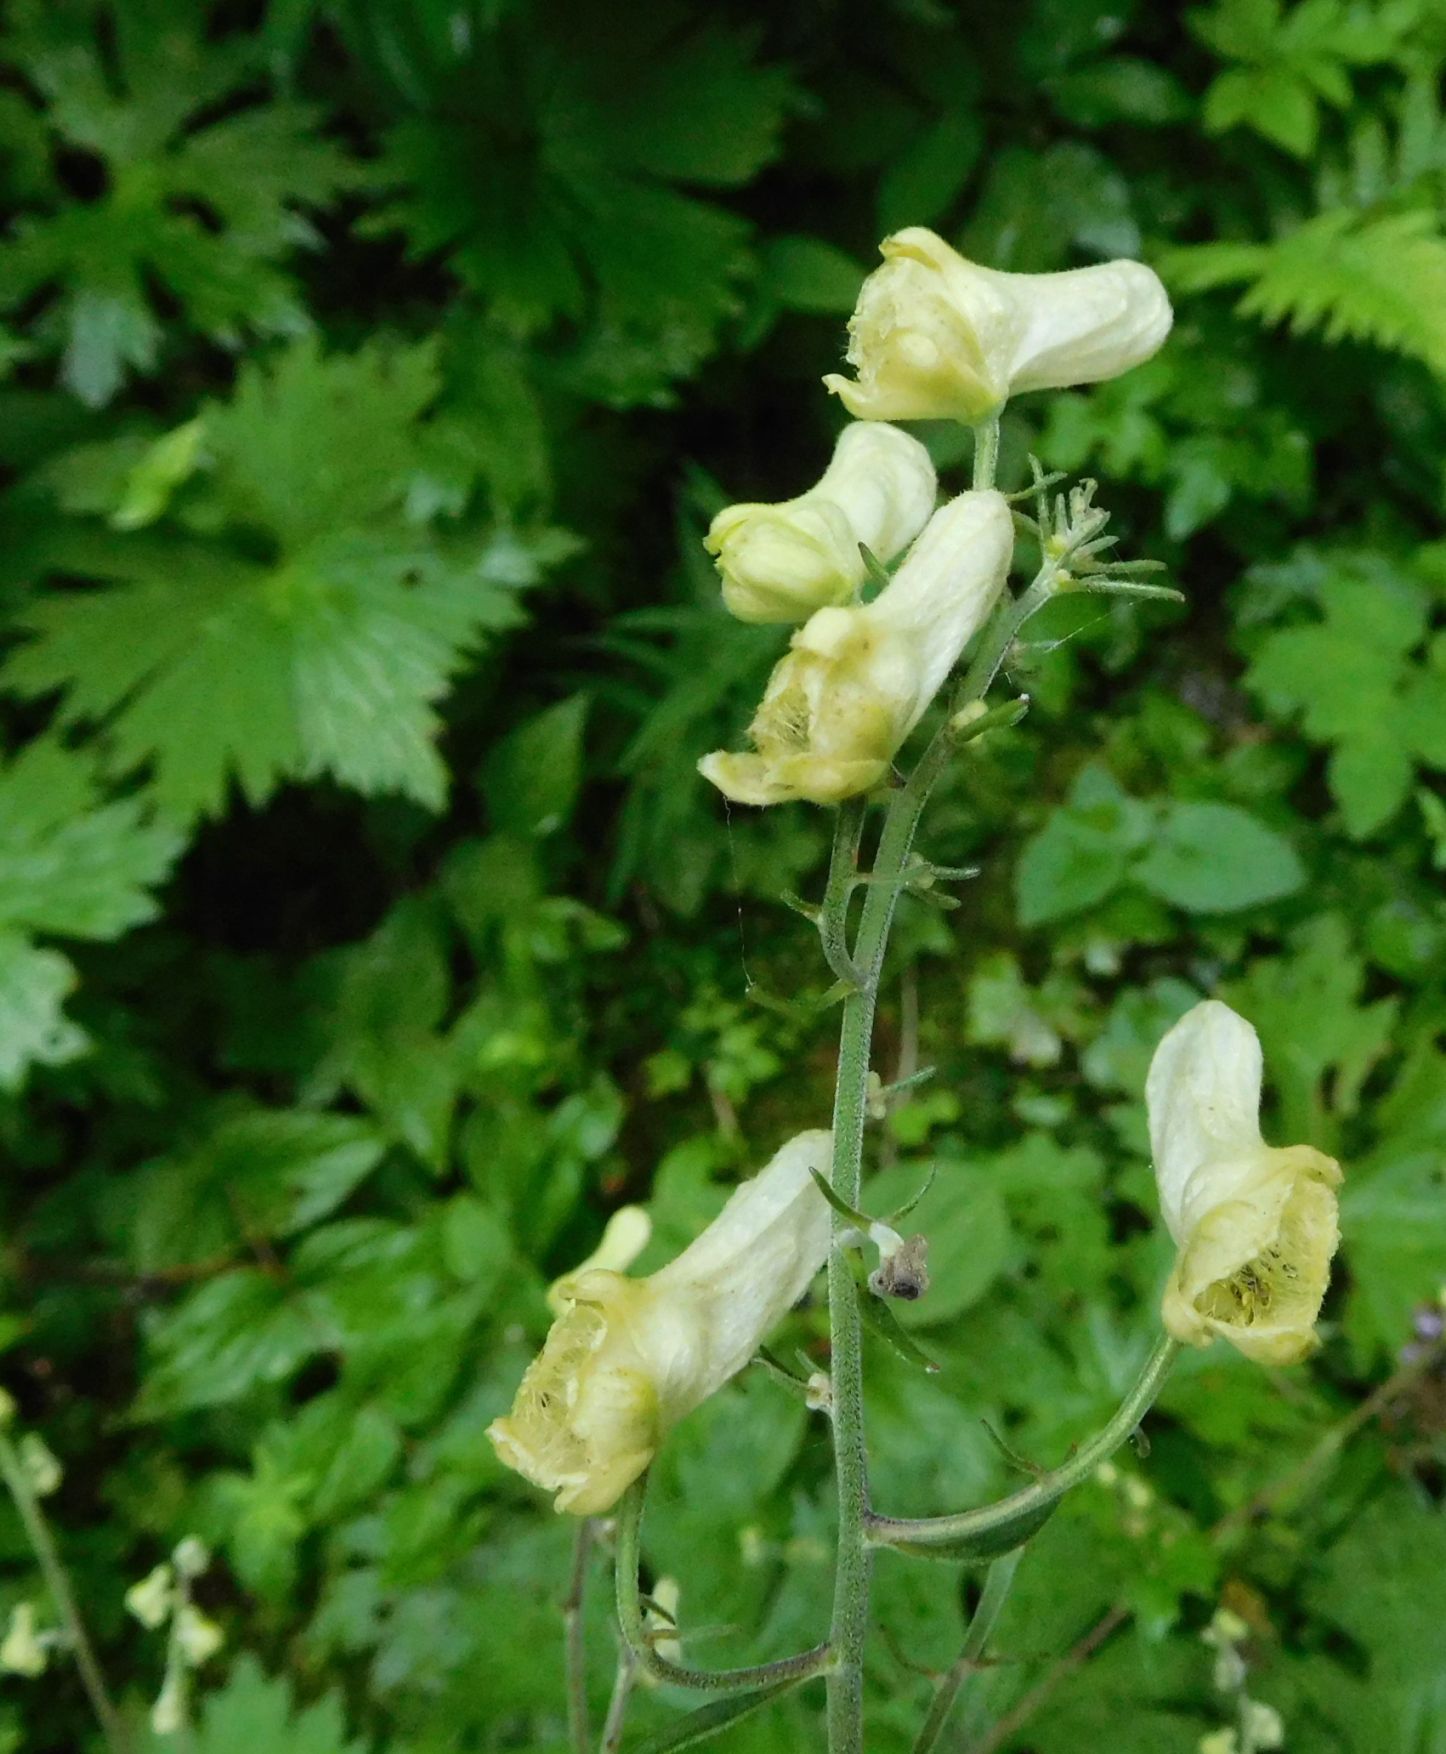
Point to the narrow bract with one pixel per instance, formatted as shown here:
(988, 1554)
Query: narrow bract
(1256, 1225)
(628, 1358)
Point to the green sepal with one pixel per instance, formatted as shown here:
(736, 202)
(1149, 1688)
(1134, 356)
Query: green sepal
(994, 1537)
(719, 1714)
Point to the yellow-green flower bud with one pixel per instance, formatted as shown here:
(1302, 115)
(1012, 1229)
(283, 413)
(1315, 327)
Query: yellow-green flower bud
(1256, 1226)
(856, 681)
(42, 1468)
(152, 1599)
(781, 562)
(198, 1637)
(628, 1358)
(936, 337)
(21, 1651)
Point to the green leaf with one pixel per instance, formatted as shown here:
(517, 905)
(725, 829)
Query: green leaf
(533, 776)
(202, 188)
(1216, 858)
(1081, 855)
(251, 1176)
(252, 1712)
(34, 1030)
(226, 1338)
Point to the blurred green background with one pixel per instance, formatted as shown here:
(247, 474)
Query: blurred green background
(370, 370)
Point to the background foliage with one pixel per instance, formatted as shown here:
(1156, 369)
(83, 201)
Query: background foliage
(370, 369)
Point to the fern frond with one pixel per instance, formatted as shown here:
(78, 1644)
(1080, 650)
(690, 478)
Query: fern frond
(1381, 280)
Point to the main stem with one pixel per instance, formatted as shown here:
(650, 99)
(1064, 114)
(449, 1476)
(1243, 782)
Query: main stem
(61, 1595)
(849, 1627)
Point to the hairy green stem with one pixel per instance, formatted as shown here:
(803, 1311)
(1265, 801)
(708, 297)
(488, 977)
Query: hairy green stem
(920, 1533)
(986, 452)
(632, 1621)
(62, 1596)
(997, 1584)
(849, 1625)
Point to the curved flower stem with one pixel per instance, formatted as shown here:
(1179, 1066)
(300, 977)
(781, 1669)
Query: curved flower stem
(997, 1584)
(579, 1728)
(843, 867)
(1018, 1511)
(634, 1627)
(52, 1567)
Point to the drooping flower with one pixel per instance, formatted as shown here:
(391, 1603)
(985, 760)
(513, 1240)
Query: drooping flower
(22, 1650)
(1256, 1225)
(935, 336)
(856, 681)
(628, 1358)
(781, 562)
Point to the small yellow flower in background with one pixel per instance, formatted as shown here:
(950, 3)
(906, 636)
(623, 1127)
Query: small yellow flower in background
(781, 562)
(1219, 1742)
(198, 1637)
(662, 1624)
(21, 1651)
(628, 1358)
(168, 1714)
(856, 681)
(42, 1469)
(152, 1599)
(936, 337)
(192, 1556)
(1256, 1226)
(1262, 1726)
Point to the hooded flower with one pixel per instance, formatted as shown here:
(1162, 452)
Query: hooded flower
(856, 681)
(936, 337)
(781, 562)
(628, 1358)
(1255, 1224)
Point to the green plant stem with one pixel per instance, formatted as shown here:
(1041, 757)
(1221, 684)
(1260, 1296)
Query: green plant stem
(579, 1728)
(612, 1736)
(632, 1622)
(849, 1625)
(917, 1533)
(58, 1583)
(997, 1584)
(986, 452)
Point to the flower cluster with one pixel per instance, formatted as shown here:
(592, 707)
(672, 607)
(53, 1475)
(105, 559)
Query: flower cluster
(933, 337)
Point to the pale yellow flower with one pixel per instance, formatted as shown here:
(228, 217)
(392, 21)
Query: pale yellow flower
(1255, 1225)
(856, 681)
(152, 1599)
(628, 1358)
(781, 562)
(935, 336)
(198, 1637)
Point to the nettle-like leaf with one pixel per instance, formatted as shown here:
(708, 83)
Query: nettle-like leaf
(71, 866)
(548, 160)
(201, 190)
(1367, 678)
(288, 622)
(1201, 856)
